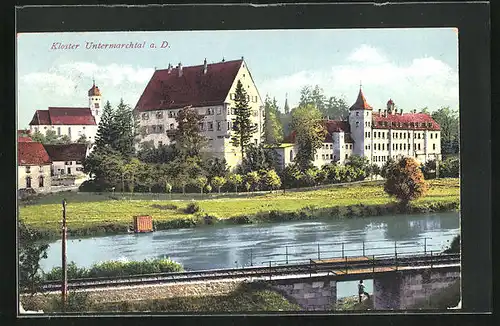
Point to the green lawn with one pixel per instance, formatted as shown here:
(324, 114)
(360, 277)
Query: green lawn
(85, 210)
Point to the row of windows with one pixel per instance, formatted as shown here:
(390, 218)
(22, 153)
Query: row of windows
(28, 169)
(253, 99)
(156, 129)
(395, 147)
(327, 146)
(208, 111)
(405, 124)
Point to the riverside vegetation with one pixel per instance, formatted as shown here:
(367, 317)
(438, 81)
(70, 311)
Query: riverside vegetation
(90, 215)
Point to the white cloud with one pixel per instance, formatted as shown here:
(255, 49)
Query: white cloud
(50, 83)
(419, 83)
(367, 54)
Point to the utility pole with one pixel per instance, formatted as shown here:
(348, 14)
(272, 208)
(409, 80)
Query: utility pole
(64, 287)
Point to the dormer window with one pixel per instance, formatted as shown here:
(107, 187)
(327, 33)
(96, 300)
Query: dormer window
(159, 115)
(145, 116)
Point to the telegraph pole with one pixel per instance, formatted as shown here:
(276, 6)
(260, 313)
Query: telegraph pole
(64, 287)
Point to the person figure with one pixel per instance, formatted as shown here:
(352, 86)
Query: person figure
(361, 291)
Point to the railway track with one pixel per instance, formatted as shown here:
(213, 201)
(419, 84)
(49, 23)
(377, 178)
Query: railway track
(307, 267)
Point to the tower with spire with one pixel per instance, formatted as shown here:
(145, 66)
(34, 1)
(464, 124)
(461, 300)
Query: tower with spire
(286, 108)
(360, 121)
(95, 104)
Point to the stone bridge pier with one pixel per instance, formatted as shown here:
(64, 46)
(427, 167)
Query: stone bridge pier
(311, 293)
(402, 290)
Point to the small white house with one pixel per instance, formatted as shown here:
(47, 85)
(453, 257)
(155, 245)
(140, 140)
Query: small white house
(67, 160)
(34, 164)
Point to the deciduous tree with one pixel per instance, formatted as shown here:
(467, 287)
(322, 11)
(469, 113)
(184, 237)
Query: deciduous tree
(236, 180)
(218, 182)
(31, 252)
(405, 181)
(272, 180)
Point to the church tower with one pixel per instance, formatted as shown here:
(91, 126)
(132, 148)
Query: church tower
(95, 104)
(360, 121)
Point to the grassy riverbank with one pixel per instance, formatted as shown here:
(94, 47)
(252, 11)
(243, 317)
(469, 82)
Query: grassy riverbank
(96, 215)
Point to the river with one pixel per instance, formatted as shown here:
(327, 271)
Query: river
(244, 245)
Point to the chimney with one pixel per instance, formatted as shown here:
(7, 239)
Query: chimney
(180, 69)
(205, 66)
(385, 113)
(169, 70)
(379, 111)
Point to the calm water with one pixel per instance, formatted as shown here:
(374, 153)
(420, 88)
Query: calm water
(236, 246)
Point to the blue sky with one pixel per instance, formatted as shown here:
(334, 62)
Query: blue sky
(414, 67)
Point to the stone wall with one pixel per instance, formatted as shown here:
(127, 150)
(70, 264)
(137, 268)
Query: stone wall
(309, 293)
(403, 290)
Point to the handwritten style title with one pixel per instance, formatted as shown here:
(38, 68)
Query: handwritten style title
(104, 46)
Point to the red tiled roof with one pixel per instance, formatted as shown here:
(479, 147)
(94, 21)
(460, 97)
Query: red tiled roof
(335, 126)
(63, 116)
(41, 117)
(361, 103)
(23, 132)
(166, 90)
(66, 152)
(24, 139)
(32, 153)
(411, 121)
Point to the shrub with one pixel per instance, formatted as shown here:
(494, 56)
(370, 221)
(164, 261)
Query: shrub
(77, 302)
(192, 208)
(405, 181)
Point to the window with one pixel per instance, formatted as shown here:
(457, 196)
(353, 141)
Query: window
(434, 146)
(431, 135)
(256, 141)
(40, 181)
(368, 134)
(414, 147)
(404, 147)
(346, 156)
(69, 170)
(378, 146)
(418, 146)
(171, 126)
(36, 129)
(379, 134)
(210, 126)
(357, 123)
(331, 156)
(78, 162)
(400, 147)
(248, 96)
(160, 143)
(28, 169)
(59, 131)
(28, 182)
(322, 156)
(145, 116)
(228, 125)
(291, 156)
(159, 115)
(200, 126)
(418, 135)
(366, 113)
(219, 110)
(170, 114)
(383, 147)
(218, 125)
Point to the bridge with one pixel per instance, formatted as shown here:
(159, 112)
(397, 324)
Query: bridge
(410, 272)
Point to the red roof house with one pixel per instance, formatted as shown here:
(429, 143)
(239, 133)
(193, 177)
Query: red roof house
(63, 116)
(66, 152)
(410, 121)
(23, 139)
(32, 153)
(202, 85)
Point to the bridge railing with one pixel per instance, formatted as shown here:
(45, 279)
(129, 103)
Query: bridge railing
(290, 255)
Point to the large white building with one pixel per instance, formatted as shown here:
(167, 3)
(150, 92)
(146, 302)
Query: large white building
(378, 136)
(71, 121)
(209, 89)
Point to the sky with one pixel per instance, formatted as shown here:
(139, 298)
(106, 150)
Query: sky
(416, 68)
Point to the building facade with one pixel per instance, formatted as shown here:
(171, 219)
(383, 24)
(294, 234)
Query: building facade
(210, 90)
(34, 166)
(73, 122)
(378, 136)
(67, 160)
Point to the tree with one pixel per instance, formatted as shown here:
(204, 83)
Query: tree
(405, 181)
(273, 130)
(313, 96)
(448, 120)
(309, 134)
(309, 176)
(236, 180)
(215, 167)
(253, 178)
(336, 108)
(38, 137)
(189, 142)
(386, 167)
(358, 162)
(82, 140)
(130, 172)
(149, 154)
(218, 182)
(272, 180)
(125, 129)
(259, 158)
(201, 182)
(243, 128)
(105, 166)
(31, 252)
(291, 176)
(106, 131)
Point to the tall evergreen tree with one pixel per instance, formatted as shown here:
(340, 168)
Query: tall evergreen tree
(125, 128)
(106, 132)
(243, 128)
(286, 108)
